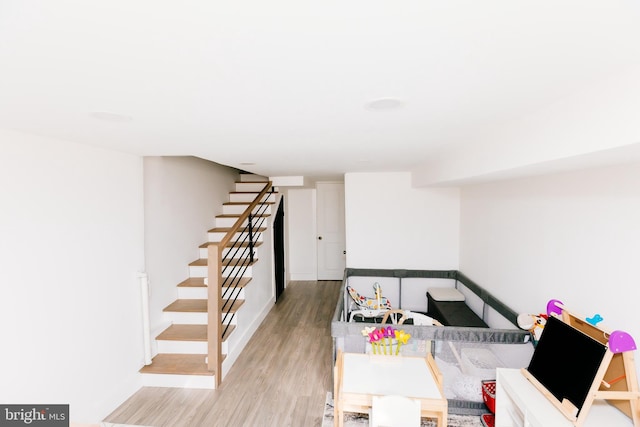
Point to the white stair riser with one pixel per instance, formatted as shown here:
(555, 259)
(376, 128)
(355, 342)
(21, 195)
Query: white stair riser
(237, 271)
(193, 293)
(256, 187)
(202, 293)
(216, 236)
(186, 347)
(230, 222)
(250, 197)
(179, 381)
(199, 271)
(182, 318)
(229, 293)
(252, 177)
(235, 252)
(239, 209)
(182, 347)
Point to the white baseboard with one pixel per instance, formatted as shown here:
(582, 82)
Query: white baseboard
(304, 276)
(179, 381)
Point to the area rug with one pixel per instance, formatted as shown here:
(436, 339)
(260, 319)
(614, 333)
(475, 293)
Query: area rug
(360, 420)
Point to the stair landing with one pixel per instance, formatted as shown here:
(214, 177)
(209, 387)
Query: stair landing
(178, 364)
(189, 333)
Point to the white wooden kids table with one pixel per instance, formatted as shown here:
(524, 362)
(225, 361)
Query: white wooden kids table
(359, 377)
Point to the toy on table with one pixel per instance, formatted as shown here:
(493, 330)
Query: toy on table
(384, 339)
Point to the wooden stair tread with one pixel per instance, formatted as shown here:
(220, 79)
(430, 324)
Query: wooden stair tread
(184, 333)
(235, 282)
(198, 306)
(198, 282)
(238, 215)
(192, 282)
(242, 245)
(203, 262)
(245, 203)
(251, 192)
(178, 364)
(189, 333)
(227, 229)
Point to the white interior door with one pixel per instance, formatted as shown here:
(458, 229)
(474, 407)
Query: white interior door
(330, 228)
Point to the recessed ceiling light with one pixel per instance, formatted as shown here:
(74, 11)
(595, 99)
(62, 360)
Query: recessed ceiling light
(247, 163)
(110, 117)
(384, 104)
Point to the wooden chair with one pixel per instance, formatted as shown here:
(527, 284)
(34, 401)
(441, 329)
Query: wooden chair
(394, 411)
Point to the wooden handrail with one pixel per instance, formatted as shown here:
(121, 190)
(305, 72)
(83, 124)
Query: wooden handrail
(224, 242)
(214, 291)
(214, 312)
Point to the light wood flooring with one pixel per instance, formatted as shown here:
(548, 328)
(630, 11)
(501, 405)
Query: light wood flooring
(280, 379)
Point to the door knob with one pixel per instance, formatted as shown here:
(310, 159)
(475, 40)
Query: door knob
(319, 237)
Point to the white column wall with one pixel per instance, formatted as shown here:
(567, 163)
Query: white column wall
(572, 236)
(182, 197)
(390, 224)
(71, 221)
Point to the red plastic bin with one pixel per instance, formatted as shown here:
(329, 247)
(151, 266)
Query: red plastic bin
(489, 395)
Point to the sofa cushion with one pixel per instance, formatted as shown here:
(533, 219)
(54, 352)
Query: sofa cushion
(445, 294)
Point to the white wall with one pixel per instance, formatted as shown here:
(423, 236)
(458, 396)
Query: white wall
(389, 224)
(300, 212)
(573, 237)
(71, 221)
(182, 196)
(599, 121)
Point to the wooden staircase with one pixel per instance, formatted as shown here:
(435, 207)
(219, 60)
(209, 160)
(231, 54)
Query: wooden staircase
(182, 347)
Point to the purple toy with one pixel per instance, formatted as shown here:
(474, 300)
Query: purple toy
(552, 307)
(620, 341)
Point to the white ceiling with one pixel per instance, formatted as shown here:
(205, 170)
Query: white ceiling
(285, 84)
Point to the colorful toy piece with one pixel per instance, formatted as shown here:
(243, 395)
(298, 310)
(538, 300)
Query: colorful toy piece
(554, 306)
(620, 341)
(595, 319)
(533, 323)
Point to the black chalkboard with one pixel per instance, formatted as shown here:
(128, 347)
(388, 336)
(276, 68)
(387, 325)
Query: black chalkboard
(566, 361)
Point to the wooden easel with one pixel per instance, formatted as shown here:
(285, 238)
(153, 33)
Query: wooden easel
(616, 380)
